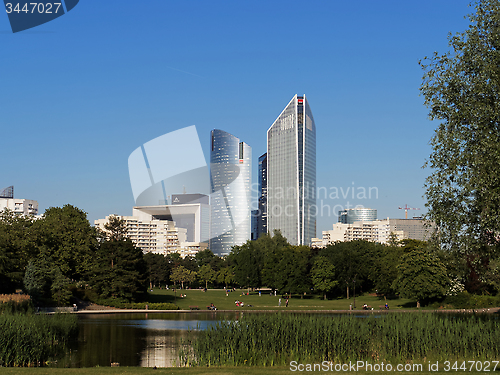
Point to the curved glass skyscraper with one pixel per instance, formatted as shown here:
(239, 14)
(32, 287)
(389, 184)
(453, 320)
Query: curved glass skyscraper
(230, 198)
(291, 173)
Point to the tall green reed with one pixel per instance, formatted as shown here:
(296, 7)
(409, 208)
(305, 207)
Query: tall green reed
(31, 340)
(269, 340)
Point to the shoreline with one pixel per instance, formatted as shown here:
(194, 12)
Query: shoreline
(108, 310)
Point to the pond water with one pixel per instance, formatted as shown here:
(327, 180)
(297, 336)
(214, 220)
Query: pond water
(145, 340)
(152, 339)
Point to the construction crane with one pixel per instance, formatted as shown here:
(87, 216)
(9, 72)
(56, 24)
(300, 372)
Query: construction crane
(406, 208)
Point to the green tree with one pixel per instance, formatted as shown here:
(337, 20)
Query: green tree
(293, 270)
(44, 282)
(17, 247)
(271, 249)
(206, 274)
(247, 260)
(354, 262)
(225, 275)
(116, 228)
(183, 275)
(421, 276)
(386, 269)
(462, 91)
(323, 275)
(119, 271)
(66, 237)
(158, 269)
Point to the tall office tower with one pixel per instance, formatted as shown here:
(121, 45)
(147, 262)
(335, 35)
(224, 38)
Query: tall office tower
(291, 173)
(230, 198)
(262, 219)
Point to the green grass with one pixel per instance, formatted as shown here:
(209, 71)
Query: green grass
(196, 297)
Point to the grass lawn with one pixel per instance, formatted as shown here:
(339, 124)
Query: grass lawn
(196, 297)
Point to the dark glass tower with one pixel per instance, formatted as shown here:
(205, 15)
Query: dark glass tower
(291, 174)
(262, 220)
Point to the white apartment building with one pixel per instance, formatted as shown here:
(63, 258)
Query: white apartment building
(376, 231)
(157, 236)
(26, 207)
(20, 206)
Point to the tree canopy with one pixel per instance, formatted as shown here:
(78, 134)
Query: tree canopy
(462, 91)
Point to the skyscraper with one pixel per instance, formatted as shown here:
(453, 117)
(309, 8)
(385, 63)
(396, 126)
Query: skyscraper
(262, 199)
(291, 173)
(230, 198)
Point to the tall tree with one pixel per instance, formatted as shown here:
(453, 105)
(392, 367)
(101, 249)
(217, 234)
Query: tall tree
(248, 264)
(183, 275)
(462, 90)
(116, 228)
(421, 276)
(119, 271)
(323, 275)
(225, 275)
(66, 236)
(293, 270)
(17, 247)
(158, 268)
(206, 274)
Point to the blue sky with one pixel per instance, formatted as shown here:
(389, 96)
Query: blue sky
(80, 93)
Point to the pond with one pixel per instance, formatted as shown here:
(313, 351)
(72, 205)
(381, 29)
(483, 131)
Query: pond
(153, 339)
(145, 340)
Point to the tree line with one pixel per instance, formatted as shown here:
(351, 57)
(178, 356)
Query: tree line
(61, 255)
(54, 257)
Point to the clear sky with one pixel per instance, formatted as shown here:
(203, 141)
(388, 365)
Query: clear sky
(80, 93)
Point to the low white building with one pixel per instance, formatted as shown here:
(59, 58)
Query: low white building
(26, 207)
(20, 206)
(376, 231)
(157, 236)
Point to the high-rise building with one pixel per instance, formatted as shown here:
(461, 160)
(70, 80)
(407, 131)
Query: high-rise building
(262, 212)
(230, 198)
(291, 173)
(254, 233)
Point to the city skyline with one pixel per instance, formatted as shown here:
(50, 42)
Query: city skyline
(113, 81)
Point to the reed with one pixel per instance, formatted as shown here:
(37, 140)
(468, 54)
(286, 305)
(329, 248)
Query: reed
(275, 340)
(31, 340)
(15, 303)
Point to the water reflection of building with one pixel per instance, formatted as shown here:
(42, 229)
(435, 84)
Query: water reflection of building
(162, 348)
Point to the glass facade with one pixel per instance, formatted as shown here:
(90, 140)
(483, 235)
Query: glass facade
(351, 215)
(262, 212)
(291, 174)
(230, 198)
